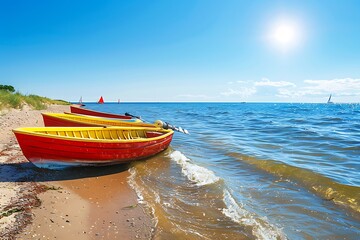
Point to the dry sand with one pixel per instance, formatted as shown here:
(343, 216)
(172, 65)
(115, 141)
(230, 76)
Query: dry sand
(77, 203)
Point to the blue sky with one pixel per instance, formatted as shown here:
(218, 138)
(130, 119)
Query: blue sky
(182, 50)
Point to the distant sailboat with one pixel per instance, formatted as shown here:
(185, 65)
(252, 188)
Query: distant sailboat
(81, 102)
(101, 100)
(329, 100)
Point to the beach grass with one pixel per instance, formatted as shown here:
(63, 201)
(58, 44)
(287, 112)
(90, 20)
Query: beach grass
(17, 100)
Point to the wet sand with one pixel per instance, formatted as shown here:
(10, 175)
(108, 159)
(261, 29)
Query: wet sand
(77, 203)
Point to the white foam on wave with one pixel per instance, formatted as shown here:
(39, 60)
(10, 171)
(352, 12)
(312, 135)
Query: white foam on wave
(193, 232)
(134, 185)
(261, 228)
(138, 190)
(200, 175)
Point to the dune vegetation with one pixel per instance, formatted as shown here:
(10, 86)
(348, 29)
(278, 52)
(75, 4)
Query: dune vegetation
(11, 99)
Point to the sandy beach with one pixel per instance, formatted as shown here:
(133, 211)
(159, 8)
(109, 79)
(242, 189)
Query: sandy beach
(86, 203)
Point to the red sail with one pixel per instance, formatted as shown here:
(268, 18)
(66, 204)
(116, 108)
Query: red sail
(101, 100)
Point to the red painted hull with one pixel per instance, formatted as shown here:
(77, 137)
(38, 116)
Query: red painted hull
(84, 111)
(39, 150)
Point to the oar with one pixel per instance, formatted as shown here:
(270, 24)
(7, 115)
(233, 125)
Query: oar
(133, 116)
(162, 124)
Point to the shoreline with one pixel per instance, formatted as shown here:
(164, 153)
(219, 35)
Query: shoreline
(82, 203)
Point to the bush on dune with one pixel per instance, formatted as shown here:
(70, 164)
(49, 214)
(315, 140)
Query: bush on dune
(9, 99)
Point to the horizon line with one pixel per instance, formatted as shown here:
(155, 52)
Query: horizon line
(115, 102)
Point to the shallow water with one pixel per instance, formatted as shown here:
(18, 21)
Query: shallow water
(252, 170)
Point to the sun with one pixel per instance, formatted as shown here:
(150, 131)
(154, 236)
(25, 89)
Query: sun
(285, 34)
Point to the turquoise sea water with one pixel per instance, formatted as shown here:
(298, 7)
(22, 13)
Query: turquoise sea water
(252, 170)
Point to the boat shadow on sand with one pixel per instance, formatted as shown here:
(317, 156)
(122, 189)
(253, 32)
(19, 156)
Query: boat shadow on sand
(28, 172)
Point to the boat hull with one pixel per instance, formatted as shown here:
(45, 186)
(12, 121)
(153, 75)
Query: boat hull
(69, 120)
(84, 111)
(44, 150)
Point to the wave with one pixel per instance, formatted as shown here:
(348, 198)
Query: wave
(344, 195)
(260, 227)
(131, 181)
(200, 175)
(139, 193)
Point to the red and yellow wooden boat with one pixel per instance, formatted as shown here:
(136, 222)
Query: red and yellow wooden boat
(90, 145)
(79, 110)
(71, 120)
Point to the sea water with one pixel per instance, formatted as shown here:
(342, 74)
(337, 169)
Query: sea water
(252, 170)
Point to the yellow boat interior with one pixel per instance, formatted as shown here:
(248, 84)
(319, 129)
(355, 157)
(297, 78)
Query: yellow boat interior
(97, 133)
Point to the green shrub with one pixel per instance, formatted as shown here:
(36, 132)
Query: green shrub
(7, 88)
